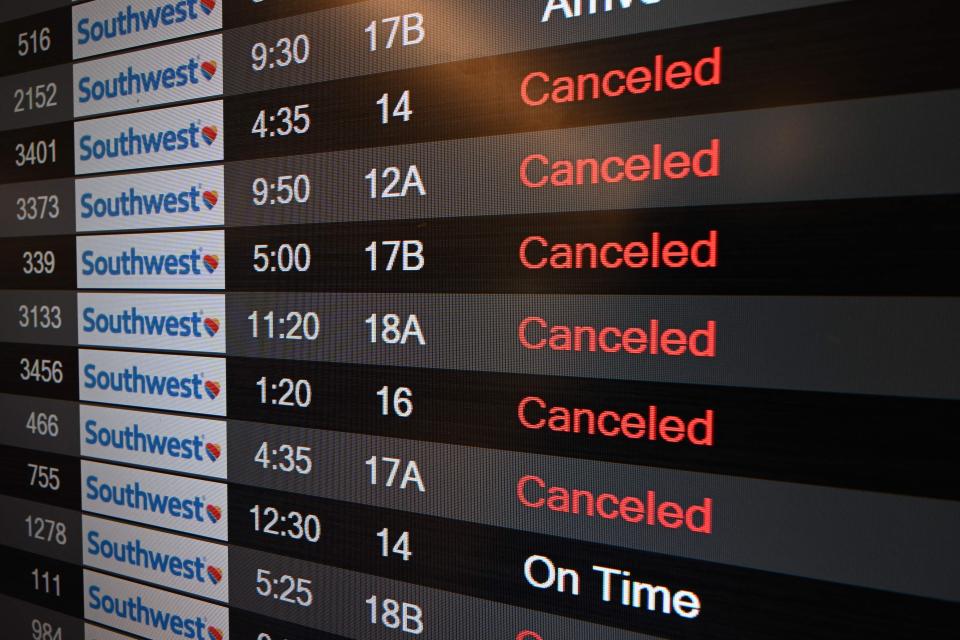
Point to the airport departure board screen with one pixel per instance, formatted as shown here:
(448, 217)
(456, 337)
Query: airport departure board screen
(479, 320)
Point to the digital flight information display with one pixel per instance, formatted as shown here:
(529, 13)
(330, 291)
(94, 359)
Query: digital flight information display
(479, 320)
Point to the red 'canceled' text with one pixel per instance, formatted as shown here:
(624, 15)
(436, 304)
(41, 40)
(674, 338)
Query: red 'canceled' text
(534, 493)
(537, 252)
(538, 170)
(538, 87)
(536, 333)
(649, 424)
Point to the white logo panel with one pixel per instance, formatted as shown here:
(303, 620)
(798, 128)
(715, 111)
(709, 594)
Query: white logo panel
(172, 73)
(112, 25)
(167, 442)
(163, 321)
(191, 384)
(180, 260)
(164, 559)
(178, 503)
(176, 135)
(150, 612)
(156, 200)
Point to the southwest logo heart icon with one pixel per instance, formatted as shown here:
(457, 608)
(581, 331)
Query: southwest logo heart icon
(208, 6)
(212, 388)
(209, 133)
(208, 69)
(212, 325)
(214, 513)
(210, 198)
(215, 634)
(216, 575)
(213, 451)
(211, 262)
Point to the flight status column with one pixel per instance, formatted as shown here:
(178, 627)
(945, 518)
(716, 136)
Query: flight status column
(507, 320)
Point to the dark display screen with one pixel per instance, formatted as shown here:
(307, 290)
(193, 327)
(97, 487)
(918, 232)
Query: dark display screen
(493, 320)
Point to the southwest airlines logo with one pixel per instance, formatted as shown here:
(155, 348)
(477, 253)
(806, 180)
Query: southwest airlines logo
(133, 496)
(177, 383)
(171, 73)
(188, 260)
(160, 199)
(150, 139)
(132, 439)
(161, 558)
(151, 612)
(111, 25)
(133, 322)
(134, 380)
(131, 263)
(131, 141)
(152, 321)
(136, 82)
(172, 502)
(133, 552)
(171, 443)
(141, 203)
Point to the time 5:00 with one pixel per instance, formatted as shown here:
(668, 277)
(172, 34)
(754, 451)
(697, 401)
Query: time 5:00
(284, 258)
